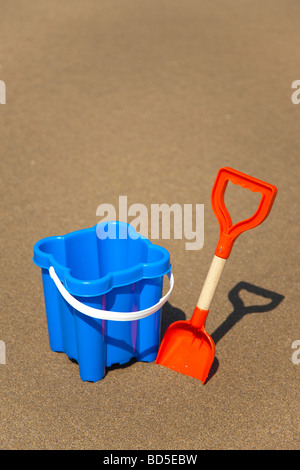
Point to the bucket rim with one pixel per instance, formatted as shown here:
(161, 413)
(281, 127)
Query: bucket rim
(111, 280)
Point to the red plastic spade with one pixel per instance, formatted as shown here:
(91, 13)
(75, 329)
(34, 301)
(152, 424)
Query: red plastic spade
(186, 346)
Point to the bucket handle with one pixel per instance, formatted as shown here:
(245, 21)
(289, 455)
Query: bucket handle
(106, 314)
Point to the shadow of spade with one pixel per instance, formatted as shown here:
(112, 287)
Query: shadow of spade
(240, 310)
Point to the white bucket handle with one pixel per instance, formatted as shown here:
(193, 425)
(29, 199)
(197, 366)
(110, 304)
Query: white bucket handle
(106, 314)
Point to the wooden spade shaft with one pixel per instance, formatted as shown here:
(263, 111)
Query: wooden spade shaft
(211, 282)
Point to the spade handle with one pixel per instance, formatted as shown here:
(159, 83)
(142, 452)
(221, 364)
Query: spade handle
(228, 231)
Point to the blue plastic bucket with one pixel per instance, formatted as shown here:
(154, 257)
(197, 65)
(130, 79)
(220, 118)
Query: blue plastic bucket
(103, 295)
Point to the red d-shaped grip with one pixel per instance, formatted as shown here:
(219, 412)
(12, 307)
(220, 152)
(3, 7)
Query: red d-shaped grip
(229, 232)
